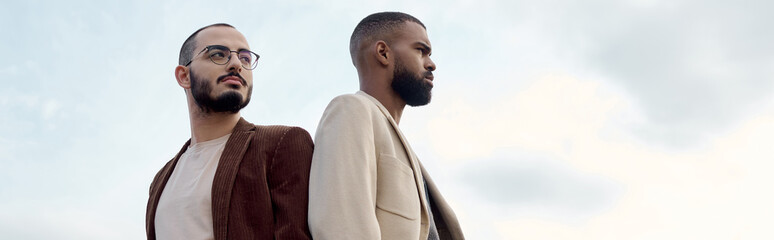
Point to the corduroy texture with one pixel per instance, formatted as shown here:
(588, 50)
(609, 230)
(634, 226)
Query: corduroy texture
(260, 190)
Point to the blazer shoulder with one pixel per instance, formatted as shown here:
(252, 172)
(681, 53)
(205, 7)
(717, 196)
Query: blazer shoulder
(352, 101)
(353, 106)
(277, 132)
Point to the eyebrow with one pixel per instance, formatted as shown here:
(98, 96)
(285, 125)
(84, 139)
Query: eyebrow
(426, 47)
(238, 49)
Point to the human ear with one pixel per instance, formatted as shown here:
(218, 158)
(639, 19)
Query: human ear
(183, 77)
(383, 52)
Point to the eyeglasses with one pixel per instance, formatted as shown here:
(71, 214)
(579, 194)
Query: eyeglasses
(221, 55)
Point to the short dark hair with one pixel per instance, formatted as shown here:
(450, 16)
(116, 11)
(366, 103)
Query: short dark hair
(188, 48)
(378, 25)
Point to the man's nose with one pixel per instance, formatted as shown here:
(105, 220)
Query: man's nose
(233, 63)
(430, 66)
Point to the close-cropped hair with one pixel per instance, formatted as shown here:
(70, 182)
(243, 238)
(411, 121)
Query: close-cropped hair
(378, 25)
(188, 48)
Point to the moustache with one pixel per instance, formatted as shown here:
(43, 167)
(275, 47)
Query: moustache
(429, 75)
(220, 79)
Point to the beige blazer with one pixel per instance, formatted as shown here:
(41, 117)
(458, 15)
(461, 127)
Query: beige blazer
(366, 182)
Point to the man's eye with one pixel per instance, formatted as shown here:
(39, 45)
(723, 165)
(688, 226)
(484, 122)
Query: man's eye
(217, 54)
(245, 57)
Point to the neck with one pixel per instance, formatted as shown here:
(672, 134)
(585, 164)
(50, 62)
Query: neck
(389, 98)
(208, 126)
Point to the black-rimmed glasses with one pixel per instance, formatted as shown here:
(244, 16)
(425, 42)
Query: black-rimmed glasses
(221, 55)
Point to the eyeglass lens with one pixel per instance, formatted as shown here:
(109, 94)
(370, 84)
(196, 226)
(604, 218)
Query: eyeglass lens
(221, 55)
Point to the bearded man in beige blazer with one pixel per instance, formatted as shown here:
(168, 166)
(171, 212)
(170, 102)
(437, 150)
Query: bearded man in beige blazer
(365, 180)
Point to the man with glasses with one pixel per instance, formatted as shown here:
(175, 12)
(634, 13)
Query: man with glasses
(232, 179)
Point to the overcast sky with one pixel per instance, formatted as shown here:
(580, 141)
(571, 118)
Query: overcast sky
(560, 119)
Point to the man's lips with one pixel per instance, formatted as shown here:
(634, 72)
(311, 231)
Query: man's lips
(429, 76)
(232, 80)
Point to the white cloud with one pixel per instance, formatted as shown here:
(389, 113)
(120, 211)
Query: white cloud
(551, 115)
(10, 70)
(668, 194)
(692, 67)
(639, 81)
(49, 108)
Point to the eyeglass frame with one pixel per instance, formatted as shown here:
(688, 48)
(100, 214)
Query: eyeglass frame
(207, 48)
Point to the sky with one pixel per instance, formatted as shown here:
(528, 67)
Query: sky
(558, 119)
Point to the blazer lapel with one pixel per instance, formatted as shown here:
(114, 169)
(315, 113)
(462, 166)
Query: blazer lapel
(157, 188)
(445, 219)
(409, 152)
(225, 175)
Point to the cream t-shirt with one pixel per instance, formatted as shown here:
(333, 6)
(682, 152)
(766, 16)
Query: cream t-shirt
(185, 206)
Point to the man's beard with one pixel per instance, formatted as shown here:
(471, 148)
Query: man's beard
(411, 88)
(227, 102)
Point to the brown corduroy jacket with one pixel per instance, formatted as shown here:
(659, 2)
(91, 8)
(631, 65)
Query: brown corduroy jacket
(260, 190)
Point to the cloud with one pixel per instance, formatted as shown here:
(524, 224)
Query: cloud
(552, 115)
(569, 167)
(523, 185)
(680, 196)
(659, 110)
(695, 69)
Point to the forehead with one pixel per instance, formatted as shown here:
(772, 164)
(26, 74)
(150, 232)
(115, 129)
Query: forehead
(413, 32)
(221, 35)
